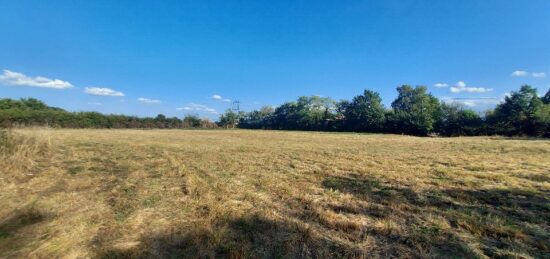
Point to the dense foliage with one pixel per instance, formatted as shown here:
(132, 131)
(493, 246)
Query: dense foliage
(364, 113)
(413, 112)
(32, 112)
(522, 112)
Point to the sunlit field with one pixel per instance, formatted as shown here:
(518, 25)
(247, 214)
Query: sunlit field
(258, 194)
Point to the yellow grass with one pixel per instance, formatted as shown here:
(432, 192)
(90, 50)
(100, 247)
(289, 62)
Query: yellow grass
(241, 194)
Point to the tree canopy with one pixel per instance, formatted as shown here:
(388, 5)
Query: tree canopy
(414, 112)
(365, 112)
(518, 114)
(33, 112)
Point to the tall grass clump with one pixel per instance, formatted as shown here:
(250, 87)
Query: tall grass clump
(20, 152)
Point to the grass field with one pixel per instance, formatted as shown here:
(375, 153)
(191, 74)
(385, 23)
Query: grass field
(241, 194)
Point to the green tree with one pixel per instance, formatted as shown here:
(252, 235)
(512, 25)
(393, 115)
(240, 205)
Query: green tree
(414, 111)
(229, 119)
(517, 114)
(307, 113)
(257, 119)
(365, 112)
(454, 120)
(542, 121)
(546, 97)
(192, 121)
(286, 116)
(25, 104)
(314, 112)
(160, 121)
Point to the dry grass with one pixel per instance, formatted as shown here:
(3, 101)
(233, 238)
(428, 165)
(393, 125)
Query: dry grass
(240, 194)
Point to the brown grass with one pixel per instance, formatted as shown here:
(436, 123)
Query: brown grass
(241, 194)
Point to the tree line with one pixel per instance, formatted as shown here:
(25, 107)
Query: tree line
(413, 112)
(32, 112)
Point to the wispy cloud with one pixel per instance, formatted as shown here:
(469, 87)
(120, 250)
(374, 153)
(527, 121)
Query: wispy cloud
(147, 100)
(95, 103)
(461, 87)
(197, 108)
(472, 102)
(520, 73)
(441, 85)
(102, 91)
(218, 97)
(9, 77)
(539, 74)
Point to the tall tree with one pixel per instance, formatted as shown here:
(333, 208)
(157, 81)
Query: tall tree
(365, 112)
(517, 114)
(414, 111)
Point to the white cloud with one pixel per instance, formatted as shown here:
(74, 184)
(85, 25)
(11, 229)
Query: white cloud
(539, 75)
(472, 102)
(20, 79)
(102, 91)
(441, 85)
(460, 84)
(198, 108)
(520, 73)
(220, 98)
(95, 103)
(147, 100)
(461, 87)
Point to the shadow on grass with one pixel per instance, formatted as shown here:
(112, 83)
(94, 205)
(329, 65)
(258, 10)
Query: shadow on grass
(18, 230)
(515, 205)
(504, 222)
(371, 189)
(247, 237)
(19, 219)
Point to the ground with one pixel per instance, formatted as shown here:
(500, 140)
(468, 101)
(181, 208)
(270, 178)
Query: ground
(265, 194)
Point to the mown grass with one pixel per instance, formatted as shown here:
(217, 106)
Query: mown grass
(264, 194)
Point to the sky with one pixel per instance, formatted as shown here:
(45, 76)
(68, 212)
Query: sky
(196, 57)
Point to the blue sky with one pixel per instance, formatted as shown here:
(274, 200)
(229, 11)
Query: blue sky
(106, 55)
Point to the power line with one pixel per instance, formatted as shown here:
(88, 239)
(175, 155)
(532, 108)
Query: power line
(236, 106)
